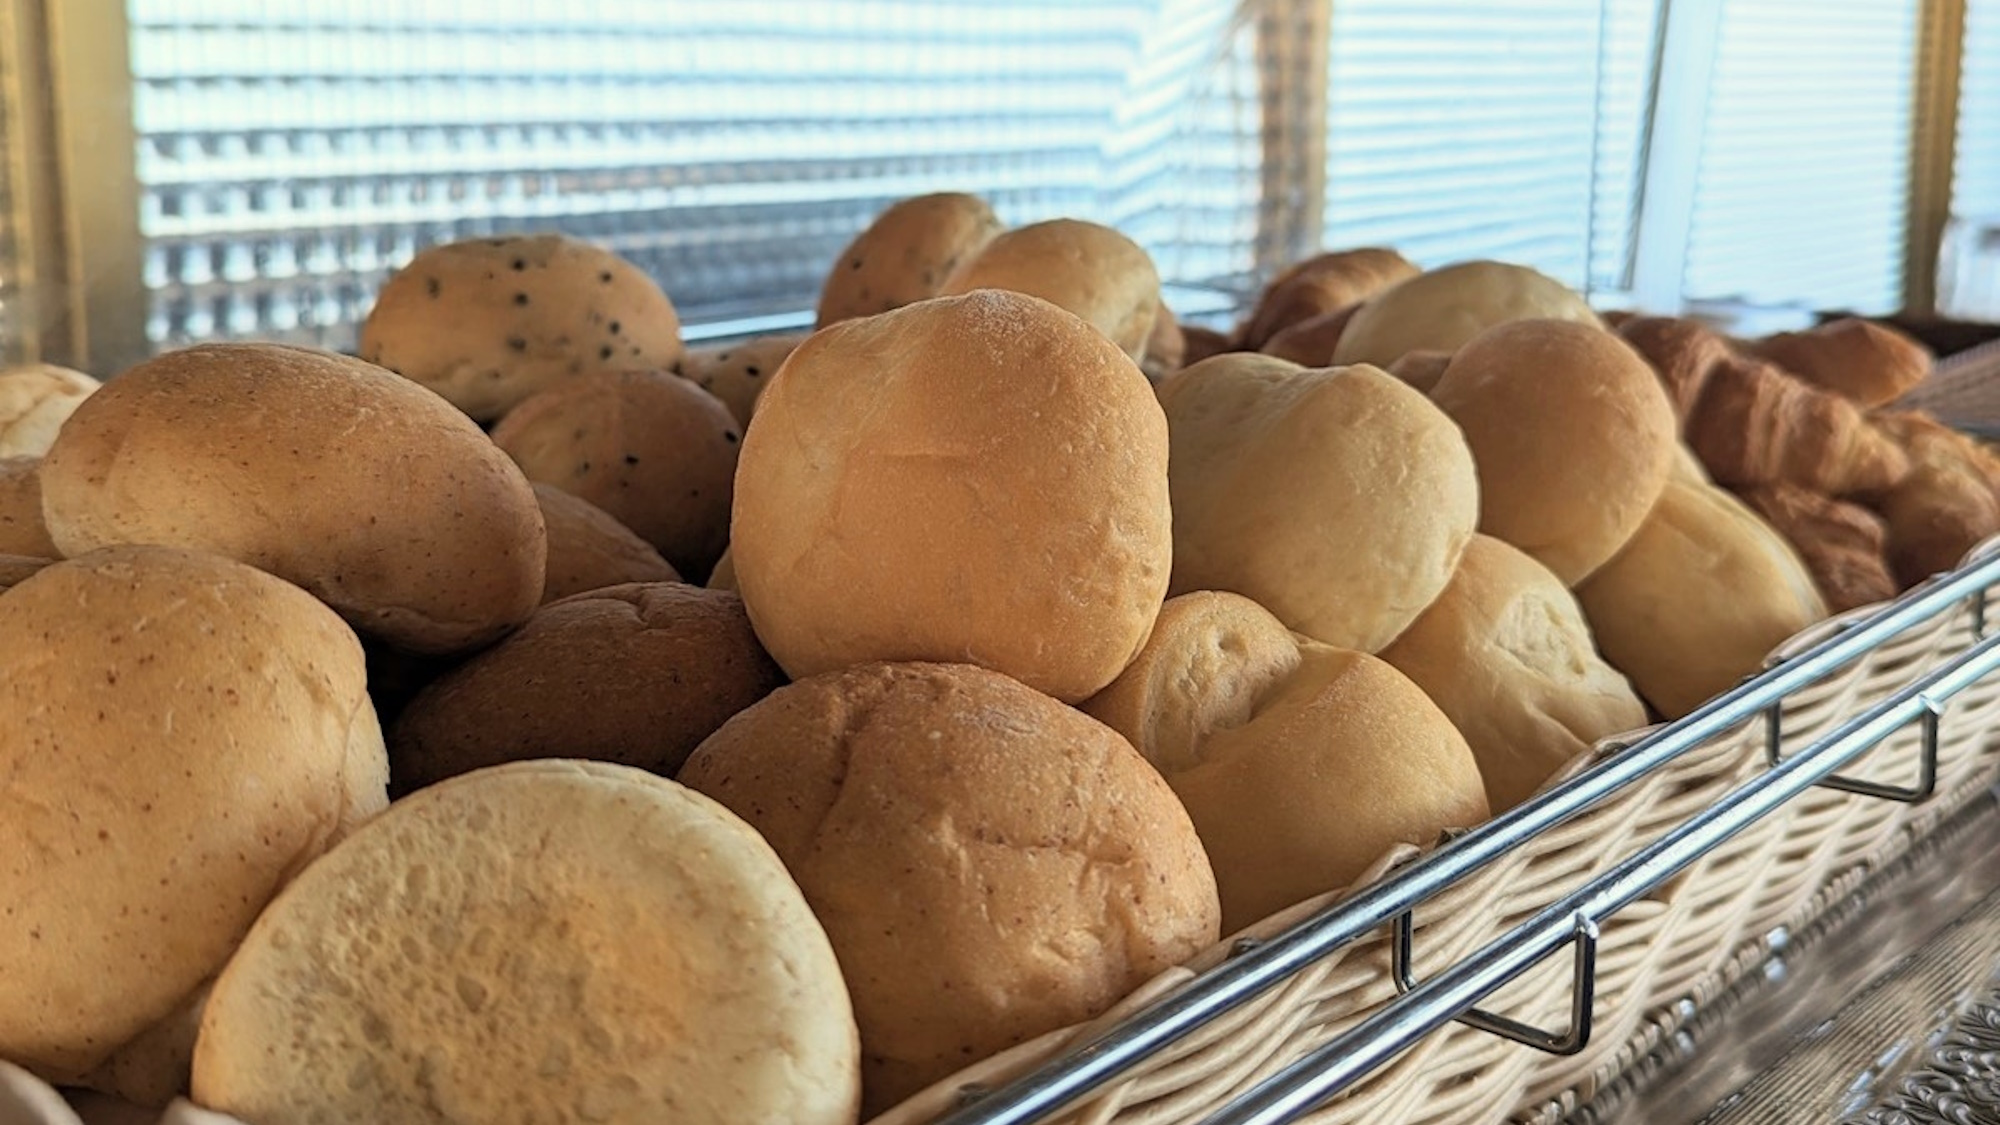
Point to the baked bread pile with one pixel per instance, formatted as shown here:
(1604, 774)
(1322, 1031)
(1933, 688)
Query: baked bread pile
(535, 718)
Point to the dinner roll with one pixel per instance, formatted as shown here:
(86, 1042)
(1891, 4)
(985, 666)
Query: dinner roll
(1443, 309)
(1338, 499)
(989, 864)
(1310, 343)
(637, 675)
(979, 479)
(1421, 370)
(588, 550)
(1572, 433)
(1166, 348)
(367, 490)
(1300, 764)
(723, 577)
(184, 733)
(1090, 270)
(655, 452)
(1322, 284)
(737, 373)
(547, 941)
(1506, 654)
(1702, 594)
(16, 569)
(22, 531)
(488, 322)
(34, 403)
(905, 255)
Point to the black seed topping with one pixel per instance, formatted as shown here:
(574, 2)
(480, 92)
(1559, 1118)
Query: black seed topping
(605, 277)
(432, 286)
(677, 367)
(517, 343)
(631, 460)
(604, 352)
(614, 328)
(520, 298)
(583, 468)
(854, 264)
(520, 264)
(752, 371)
(729, 436)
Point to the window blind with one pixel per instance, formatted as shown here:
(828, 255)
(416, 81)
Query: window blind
(1976, 175)
(291, 155)
(1462, 129)
(1802, 189)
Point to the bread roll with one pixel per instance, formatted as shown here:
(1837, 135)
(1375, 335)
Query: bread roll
(369, 491)
(1699, 597)
(723, 577)
(1871, 364)
(1299, 763)
(1090, 270)
(34, 403)
(1445, 308)
(1843, 545)
(1421, 370)
(1948, 503)
(16, 569)
(1506, 654)
(636, 675)
(1572, 434)
(737, 373)
(1166, 348)
(488, 322)
(1338, 499)
(1310, 342)
(22, 531)
(989, 864)
(980, 479)
(184, 733)
(1199, 343)
(905, 255)
(656, 453)
(1323, 284)
(547, 941)
(1687, 467)
(588, 550)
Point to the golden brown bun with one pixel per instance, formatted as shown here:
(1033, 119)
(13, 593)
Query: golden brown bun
(1949, 502)
(1337, 499)
(979, 479)
(1443, 309)
(367, 490)
(1842, 544)
(548, 941)
(1506, 654)
(16, 569)
(1573, 437)
(636, 675)
(1090, 270)
(1322, 284)
(215, 737)
(1310, 343)
(589, 550)
(723, 577)
(1683, 354)
(488, 322)
(655, 452)
(1166, 348)
(989, 864)
(1687, 467)
(1870, 364)
(34, 402)
(905, 255)
(1756, 425)
(1199, 343)
(1421, 370)
(22, 531)
(737, 373)
(1698, 599)
(1299, 763)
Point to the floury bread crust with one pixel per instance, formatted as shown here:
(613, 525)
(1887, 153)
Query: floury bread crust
(905, 255)
(1445, 308)
(185, 733)
(989, 864)
(1339, 499)
(978, 479)
(22, 531)
(365, 489)
(34, 402)
(487, 322)
(1093, 271)
(459, 960)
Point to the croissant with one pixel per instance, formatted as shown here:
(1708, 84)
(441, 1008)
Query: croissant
(1319, 285)
(1865, 362)
(1752, 424)
(1842, 544)
(1947, 505)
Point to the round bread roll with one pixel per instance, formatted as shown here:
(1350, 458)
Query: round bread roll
(1573, 435)
(1506, 654)
(1870, 363)
(369, 491)
(1310, 343)
(16, 569)
(737, 373)
(184, 734)
(548, 941)
(636, 675)
(1421, 370)
(488, 322)
(22, 531)
(1445, 308)
(1090, 270)
(655, 452)
(1321, 285)
(723, 577)
(905, 255)
(989, 864)
(1702, 594)
(1166, 348)
(1300, 764)
(588, 550)
(1198, 343)
(1338, 499)
(978, 479)
(35, 401)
